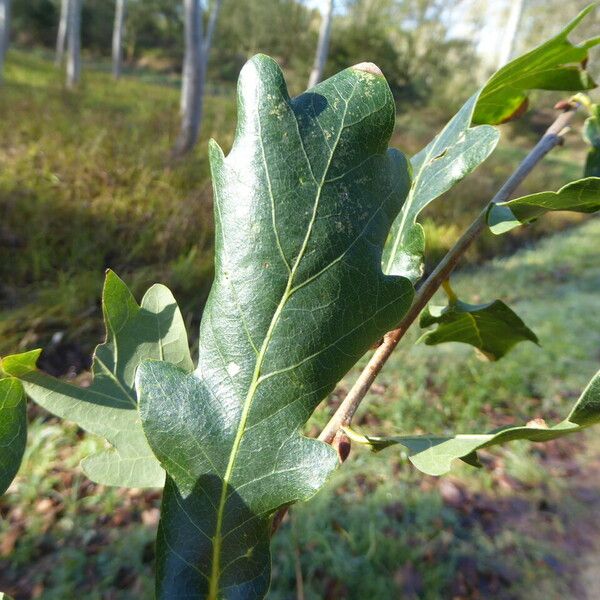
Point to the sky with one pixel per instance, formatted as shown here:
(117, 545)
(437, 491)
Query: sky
(489, 36)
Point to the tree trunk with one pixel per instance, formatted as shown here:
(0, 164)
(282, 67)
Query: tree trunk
(117, 40)
(74, 43)
(210, 30)
(62, 32)
(510, 32)
(206, 46)
(323, 45)
(4, 32)
(195, 62)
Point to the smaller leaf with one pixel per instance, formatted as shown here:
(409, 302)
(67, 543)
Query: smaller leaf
(591, 127)
(454, 153)
(492, 328)
(13, 430)
(592, 163)
(581, 196)
(433, 455)
(555, 65)
(108, 407)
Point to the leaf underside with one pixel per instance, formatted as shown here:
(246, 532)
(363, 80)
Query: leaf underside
(303, 204)
(13, 429)
(433, 455)
(581, 196)
(555, 65)
(454, 153)
(493, 328)
(108, 407)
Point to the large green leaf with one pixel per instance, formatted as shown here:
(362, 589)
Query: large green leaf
(303, 204)
(434, 454)
(108, 407)
(555, 65)
(492, 328)
(13, 429)
(581, 196)
(454, 153)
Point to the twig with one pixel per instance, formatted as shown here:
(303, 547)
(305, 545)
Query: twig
(297, 566)
(344, 413)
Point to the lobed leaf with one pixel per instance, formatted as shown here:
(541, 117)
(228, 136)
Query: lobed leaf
(555, 65)
(303, 204)
(108, 407)
(492, 328)
(581, 196)
(13, 429)
(454, 153)
(433, 455)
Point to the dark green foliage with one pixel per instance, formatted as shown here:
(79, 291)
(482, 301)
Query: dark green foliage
(35, 21)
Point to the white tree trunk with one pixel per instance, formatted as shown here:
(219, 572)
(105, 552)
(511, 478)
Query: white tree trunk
(61, 37)
(4, 32)
(117, 40)
(510, 32)
(205, 47)
(74, 43)
(323, 45)
(195, 62)
(210, 30)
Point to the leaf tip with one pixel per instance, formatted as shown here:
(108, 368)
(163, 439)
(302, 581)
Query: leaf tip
(18, 365)
(368, 67)
(260, 71)
(215, 152)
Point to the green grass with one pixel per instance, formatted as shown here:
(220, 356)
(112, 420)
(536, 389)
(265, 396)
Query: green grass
(379, 529)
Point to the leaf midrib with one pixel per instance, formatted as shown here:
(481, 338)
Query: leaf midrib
(255, 382)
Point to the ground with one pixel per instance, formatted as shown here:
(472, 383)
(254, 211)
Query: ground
(77, 196)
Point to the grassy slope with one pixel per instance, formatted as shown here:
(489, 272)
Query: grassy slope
(86, 184)
(379, 529)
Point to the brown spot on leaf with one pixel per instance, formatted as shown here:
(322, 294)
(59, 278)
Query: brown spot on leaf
(537, 424)
(518, 112)
(368, 67)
